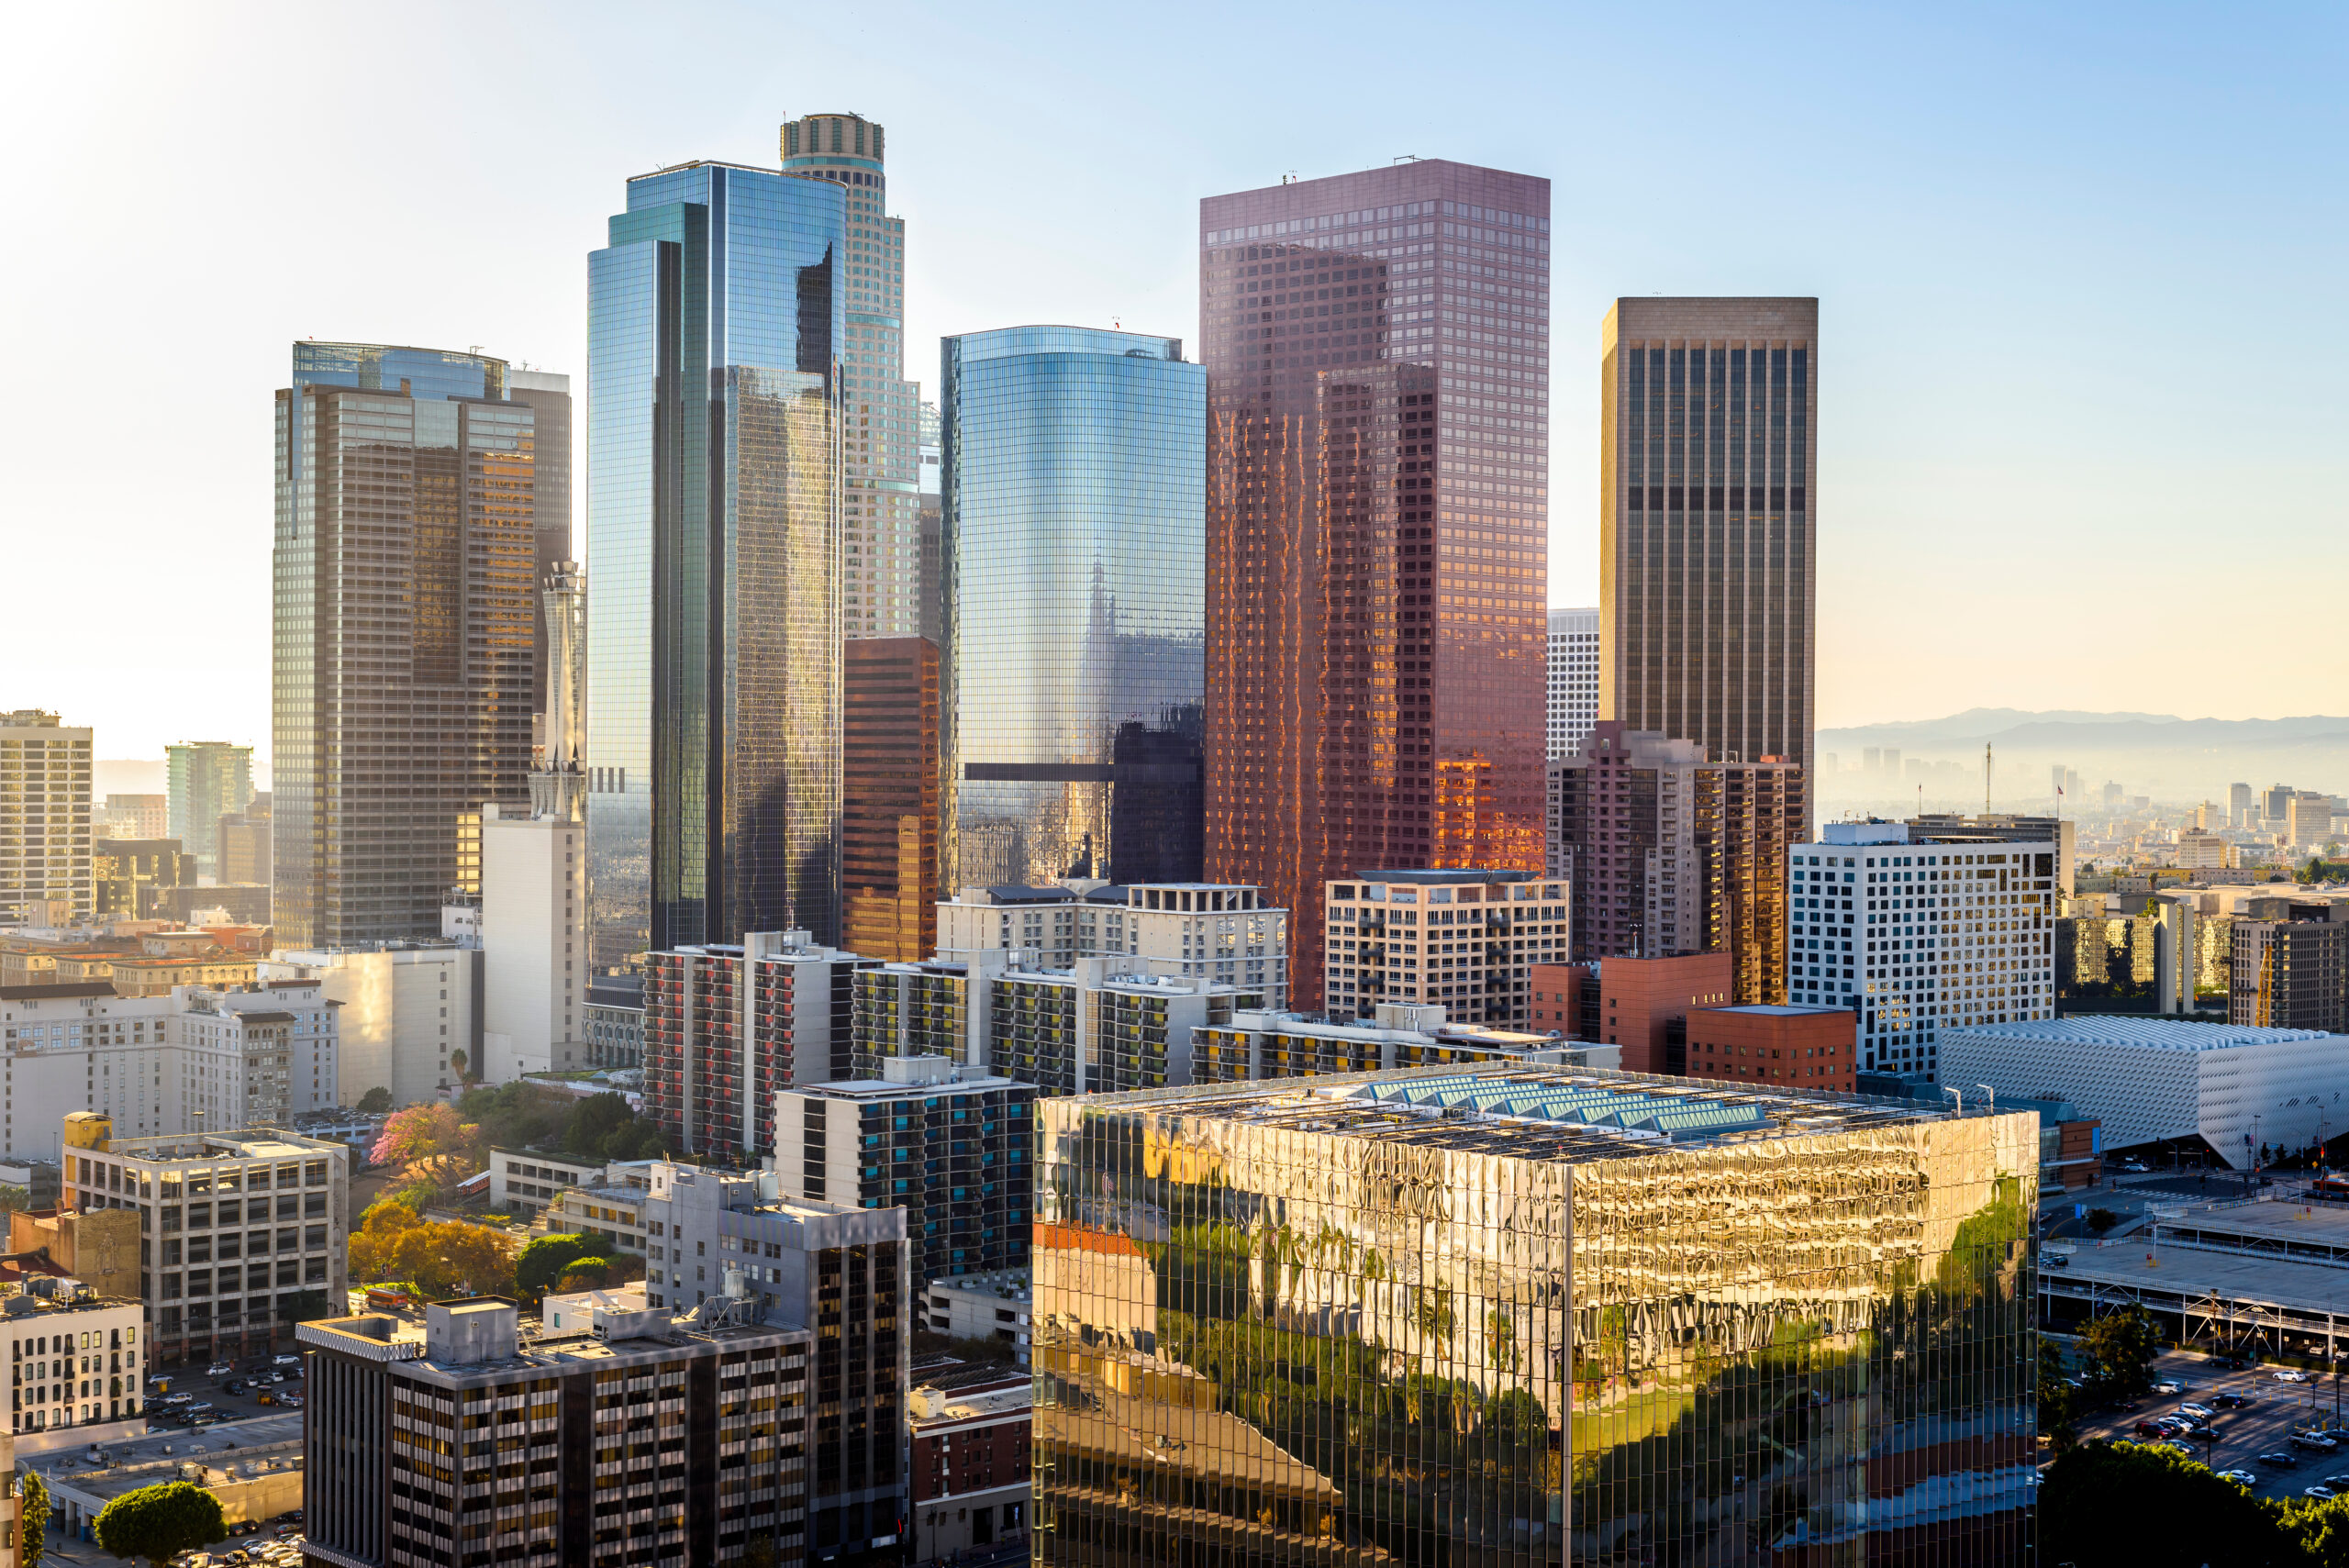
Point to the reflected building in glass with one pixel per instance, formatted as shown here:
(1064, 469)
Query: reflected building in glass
(1378, 529)
(1513, 1315)
(404, 619)
(1072, 542)
(714, 322)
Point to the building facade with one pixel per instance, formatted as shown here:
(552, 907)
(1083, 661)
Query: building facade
(638, 1437)
(248, 1229)
(1259, 1044)
(1773, 1043)
(548, 393)
(1574, 680)
(134, 877)
(1217, 932)
(1670, 852)
(614, 1010)
(880, 423)
(76, 1358)
(2290, 968)
(716, 335)
(1377, 349)
(408, 1012)
(956, 1152)
(889, 788)
(969, 1443)
(1074, 532)
(1466, 940)
(1281, 1322)
(1927, 935)
(402, 633)
(727, 1027)
(45, 865)
(134, 816)
(205, 781)
(1708, 522)
(1641, 1005)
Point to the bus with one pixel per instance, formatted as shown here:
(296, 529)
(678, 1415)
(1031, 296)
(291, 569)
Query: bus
(382, 1300)
(2335, 1188)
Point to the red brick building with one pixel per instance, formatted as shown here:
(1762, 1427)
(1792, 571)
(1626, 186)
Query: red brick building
(1794, 1047)
(971, 1432)
(1636, 1003)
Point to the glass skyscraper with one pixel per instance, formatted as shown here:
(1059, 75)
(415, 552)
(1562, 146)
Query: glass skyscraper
(1379, 527)
(715, 320)
(403, 626)
(880, 427)
(1072, 545)
(1517, 1315)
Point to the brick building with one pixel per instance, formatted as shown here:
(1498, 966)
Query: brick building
(1638, 1004)
(969, 1431)
(1803, 1048)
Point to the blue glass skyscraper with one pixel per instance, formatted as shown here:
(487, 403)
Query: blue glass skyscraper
(1073, 539)
(714, 320)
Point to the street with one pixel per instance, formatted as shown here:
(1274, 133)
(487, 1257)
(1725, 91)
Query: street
(2263, 1427)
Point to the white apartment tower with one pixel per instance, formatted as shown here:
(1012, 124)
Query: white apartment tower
(1917, 934)
(880, 409)
(45, 869)
(1574, 678)
(534, 876)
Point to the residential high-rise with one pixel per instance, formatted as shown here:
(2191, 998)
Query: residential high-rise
(133, 876)
(2291, 966)
(889, 783)
(1465, 940)
(206, 780)
(246, 844)
(1671, 853)
(534, 876)
(1574, 678)
(1928, 933)
(401, 687)
(1708, 520)
(134, 816)
(1075, 667)
(1378, 346)
(548, 396)
(1636, 1309)
(1208, 930)
(880, 422)
(637, 1437)
(45, 865)
(716, 321)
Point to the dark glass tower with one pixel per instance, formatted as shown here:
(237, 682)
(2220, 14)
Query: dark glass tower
(1707, 485)
(1378, 346)
(713, 536)
(1074, 533)
(403, 626)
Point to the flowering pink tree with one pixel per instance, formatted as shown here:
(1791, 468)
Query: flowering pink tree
(418, 1133)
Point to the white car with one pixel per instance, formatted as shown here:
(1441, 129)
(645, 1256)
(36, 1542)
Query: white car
(2319, 1492)
(286, 1361)
(2240, 1477)
(219, 1369)
(2291, 1374)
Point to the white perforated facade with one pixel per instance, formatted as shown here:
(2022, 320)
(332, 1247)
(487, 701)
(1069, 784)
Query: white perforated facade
(1574, 678)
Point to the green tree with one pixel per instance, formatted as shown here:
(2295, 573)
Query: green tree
(2103, 1220)
(375, 1101)
(2120, 1348)
(2320, 1530)
(2059, 1402)
(32, 1532)
(12, 1198)
(2124, 1505)
(544, 1262)
(160, 1522)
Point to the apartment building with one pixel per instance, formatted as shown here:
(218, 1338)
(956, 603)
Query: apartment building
(1218, 932)
(2290, 968)
(1464, 939)
(969, 1433)
(45, 848)
(76, 1357)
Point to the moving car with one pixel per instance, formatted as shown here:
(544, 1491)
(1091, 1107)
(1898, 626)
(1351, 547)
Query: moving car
(2171, 1386)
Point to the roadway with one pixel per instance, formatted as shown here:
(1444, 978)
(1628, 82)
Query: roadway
(2264, 1426)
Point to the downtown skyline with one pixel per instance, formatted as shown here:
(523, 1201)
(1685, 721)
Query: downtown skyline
(2029, 216)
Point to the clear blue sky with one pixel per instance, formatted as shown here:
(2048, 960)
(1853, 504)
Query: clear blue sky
(2079, 270)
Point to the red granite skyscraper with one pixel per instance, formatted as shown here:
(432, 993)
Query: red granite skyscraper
(1377, 350)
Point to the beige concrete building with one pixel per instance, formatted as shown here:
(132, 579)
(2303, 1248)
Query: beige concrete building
(45, 867)
(1221, 931)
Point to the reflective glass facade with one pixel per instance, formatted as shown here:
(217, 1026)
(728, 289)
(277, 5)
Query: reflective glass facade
(404, 621)
(1072, 544)
(1515, 1315)
(1707, 476)
(713, 532)
(1378, 532)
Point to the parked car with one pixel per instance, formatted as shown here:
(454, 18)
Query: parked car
(2148, 1429)
(2199, 1412)
(2171, 1386)
(2230, 1402)
(2178, 1447)
(234, 1385)
(2338, 1434)
(2278, 1461)
(287, 1360)
(2313, 1443)
(2319, 1492)
(2290, 1375)
(2240, 1477)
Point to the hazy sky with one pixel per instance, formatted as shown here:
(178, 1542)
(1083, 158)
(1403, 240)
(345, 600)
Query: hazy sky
(2079, 272)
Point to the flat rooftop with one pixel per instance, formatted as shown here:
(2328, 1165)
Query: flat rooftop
(1530, 1112)
(2162, 1269)
(2279, 1225)
(2159, 1033)
(882, 1089)
(157, 1456)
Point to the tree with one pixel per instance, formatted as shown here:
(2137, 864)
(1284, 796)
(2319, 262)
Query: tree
(32, 1531)
(457, 1060)
(2126, 1504)
(375, 1101)
(375, 1246)
(160, 1522)
(2059, 1400)
(542, 1263)
(12, 1198)
(418, 1134)
(442, 1257)
(2120, 1348)
(603, 1127)
(2103, 1220)
(587, 1273)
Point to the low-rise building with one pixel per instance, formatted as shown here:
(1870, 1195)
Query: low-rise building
(642, 1436)
(969, 1437)
(1638, 1004)
(1466, 940)
(1257, 1044)
(952, 1148)
(981, 1307)
(253, 1468)
(1773, 1043)
(524, 1180)
(237, 1231)
(76, 1358)
(614, 1015)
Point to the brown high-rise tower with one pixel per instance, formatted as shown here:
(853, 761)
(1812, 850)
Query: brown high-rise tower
(1707, 485)
(1377, 349)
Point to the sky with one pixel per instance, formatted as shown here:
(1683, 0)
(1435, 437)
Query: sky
(2082, 407)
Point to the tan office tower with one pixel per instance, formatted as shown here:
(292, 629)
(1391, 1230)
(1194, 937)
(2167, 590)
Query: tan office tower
(880, 409)
(1710, 448)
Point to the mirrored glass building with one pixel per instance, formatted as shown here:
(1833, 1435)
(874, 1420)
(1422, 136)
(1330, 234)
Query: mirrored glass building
(714, 322)
(1515, 1315)
(1073, 541)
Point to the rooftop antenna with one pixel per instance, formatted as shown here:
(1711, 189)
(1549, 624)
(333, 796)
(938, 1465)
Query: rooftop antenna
(1987, 764)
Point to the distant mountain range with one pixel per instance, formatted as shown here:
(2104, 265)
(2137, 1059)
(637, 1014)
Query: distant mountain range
(2158, 754)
